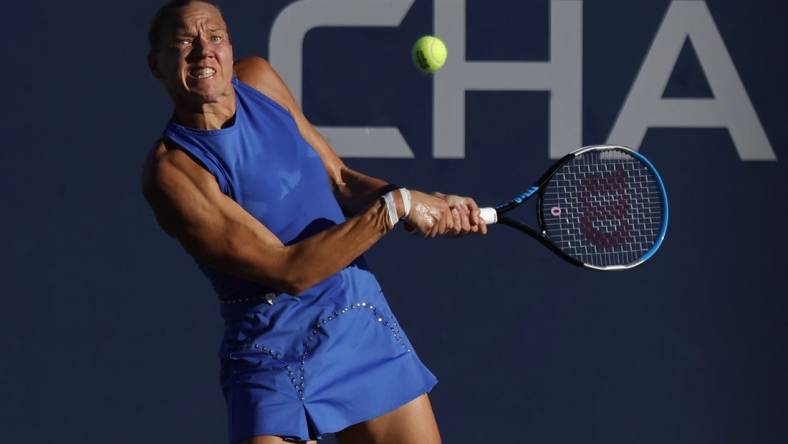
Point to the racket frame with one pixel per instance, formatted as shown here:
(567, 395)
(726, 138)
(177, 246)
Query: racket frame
(538, 189)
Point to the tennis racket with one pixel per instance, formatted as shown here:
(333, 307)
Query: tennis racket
(600, 207)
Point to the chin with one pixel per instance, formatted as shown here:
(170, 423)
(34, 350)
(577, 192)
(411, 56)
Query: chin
(206, 95)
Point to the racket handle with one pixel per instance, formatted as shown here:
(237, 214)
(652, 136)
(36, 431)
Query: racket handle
(488, 215)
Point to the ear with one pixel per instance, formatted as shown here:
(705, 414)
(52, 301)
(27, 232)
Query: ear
(154, 68)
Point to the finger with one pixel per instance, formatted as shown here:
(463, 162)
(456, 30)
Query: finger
(444, 223)
(483, 227)
(435, 231)
(466, 223)
(463, 208)
(446, 212)
(429, 226)
(446, 217)
(432, 224)
(474, 209)
(459, 222)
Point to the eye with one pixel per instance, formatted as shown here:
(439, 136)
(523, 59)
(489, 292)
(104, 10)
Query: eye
(217, 39)
(183, 42)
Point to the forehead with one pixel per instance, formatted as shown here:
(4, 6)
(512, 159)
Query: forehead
(196, 15)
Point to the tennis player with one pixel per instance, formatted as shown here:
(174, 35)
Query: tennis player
(253, 192)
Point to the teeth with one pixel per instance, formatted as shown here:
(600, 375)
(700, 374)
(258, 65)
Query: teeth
(202, 73)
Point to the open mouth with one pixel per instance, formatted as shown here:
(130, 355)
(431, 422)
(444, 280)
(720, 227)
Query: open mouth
(202, 73)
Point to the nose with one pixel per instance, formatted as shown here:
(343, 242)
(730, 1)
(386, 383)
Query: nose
(201, 48)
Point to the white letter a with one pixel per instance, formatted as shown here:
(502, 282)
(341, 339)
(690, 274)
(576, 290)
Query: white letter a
(729, 108)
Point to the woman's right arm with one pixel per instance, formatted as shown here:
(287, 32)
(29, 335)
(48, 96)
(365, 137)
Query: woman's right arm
(214, 229)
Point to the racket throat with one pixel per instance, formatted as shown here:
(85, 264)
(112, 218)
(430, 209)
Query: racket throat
(541, 236)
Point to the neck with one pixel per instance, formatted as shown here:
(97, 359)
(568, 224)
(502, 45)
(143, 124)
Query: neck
(207, 116)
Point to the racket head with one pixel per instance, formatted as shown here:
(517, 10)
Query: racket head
(605, 207)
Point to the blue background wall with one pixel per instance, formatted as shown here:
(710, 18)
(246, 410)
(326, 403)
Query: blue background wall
(108, 329)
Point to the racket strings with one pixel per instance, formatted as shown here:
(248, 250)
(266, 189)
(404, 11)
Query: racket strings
(603, 208)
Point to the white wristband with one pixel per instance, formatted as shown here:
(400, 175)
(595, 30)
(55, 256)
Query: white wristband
(391, 208)
(405, 200)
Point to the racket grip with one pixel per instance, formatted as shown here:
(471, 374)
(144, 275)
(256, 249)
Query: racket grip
(488, 215)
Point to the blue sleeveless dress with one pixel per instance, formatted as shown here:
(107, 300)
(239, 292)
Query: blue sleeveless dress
(296, 367)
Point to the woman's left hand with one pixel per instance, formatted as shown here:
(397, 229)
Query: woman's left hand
(466, 216)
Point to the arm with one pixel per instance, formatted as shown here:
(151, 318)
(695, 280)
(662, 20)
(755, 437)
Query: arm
(354, 191)
(436, 214)
(213, 228)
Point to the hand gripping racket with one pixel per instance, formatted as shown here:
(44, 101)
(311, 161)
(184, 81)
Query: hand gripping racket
(601, 207)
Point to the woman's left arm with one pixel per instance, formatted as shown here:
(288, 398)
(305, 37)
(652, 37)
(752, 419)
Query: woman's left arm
(354, 190)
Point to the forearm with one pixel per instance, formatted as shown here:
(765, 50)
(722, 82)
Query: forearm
(327, 252)
(356, 191)
(299, 266)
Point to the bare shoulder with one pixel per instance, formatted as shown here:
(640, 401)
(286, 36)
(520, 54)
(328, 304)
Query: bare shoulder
(260, 75)
(177, 188)
(154, 166)
(166, 161)
(161, 164)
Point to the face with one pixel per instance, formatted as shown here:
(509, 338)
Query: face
(195, 59)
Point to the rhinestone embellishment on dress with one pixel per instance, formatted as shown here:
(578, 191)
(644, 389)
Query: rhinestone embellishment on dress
(296, 372)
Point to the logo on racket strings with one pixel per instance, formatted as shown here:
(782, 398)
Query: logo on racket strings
(604, 208)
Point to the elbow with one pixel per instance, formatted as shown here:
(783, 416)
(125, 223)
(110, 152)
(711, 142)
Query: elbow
(294, 277)
(288, 284)
(295, 283)
(277, 267)
(295, 290)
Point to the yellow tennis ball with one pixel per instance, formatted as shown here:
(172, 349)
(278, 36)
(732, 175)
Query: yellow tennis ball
(429, 53)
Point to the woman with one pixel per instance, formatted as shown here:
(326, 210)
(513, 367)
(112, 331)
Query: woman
(255, 194)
